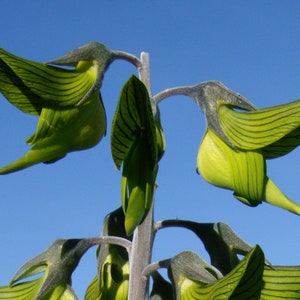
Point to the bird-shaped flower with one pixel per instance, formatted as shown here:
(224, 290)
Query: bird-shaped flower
(53, 269)
(236, 144)
(238, 140)
(67, 100)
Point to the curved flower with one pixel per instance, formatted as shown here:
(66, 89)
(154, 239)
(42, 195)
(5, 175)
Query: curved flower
(238, 161)
(112, 280)
(56, 264)
(193, 278)
(68, 101)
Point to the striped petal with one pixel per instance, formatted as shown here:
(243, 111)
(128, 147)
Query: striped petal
(243, 282)
(281, 282)
(240, 171)
(30, 85)
(277, 125)
(23, 291)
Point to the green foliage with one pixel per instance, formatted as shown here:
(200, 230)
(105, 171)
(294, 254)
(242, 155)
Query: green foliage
(137, 142)
(232, 155)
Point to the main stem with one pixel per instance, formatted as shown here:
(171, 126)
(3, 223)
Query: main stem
(143, 235)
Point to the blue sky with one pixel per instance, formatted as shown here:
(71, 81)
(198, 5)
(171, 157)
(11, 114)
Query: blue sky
(251, 46)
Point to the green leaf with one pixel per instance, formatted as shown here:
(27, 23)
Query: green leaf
(243, 282)
(133, 119)
(134, 143)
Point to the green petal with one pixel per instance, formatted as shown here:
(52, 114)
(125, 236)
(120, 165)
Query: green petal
(260, 128)
(60, 131)
(241, 171)
(28, 290)
(243, 282)
(93, 291)
(22, 291)
(114, 279)
(30, 85)
(283, 146)
(281, 282)
(113, 266)
(275, 196)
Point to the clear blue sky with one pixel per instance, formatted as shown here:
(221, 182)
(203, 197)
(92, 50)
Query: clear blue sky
(251, 46)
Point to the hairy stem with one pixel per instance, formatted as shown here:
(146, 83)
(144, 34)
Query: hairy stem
(128, 57)
(113, 240)
(180, 90)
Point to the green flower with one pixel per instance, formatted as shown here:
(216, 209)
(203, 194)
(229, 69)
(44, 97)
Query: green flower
(67, 100)
(236, 144)
(112, 281)
(55, 265)
(239, 139)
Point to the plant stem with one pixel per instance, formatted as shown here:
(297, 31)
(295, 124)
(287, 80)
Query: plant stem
(128, 57)
(113, 240)
(180, 90)
(141, 251)
(142, 242)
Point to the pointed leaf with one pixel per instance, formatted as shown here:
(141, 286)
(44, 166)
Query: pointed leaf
(132, 119)
(133, 143)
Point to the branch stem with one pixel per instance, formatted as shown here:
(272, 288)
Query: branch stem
(128, 57)
(180, 90)
(115, 240)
